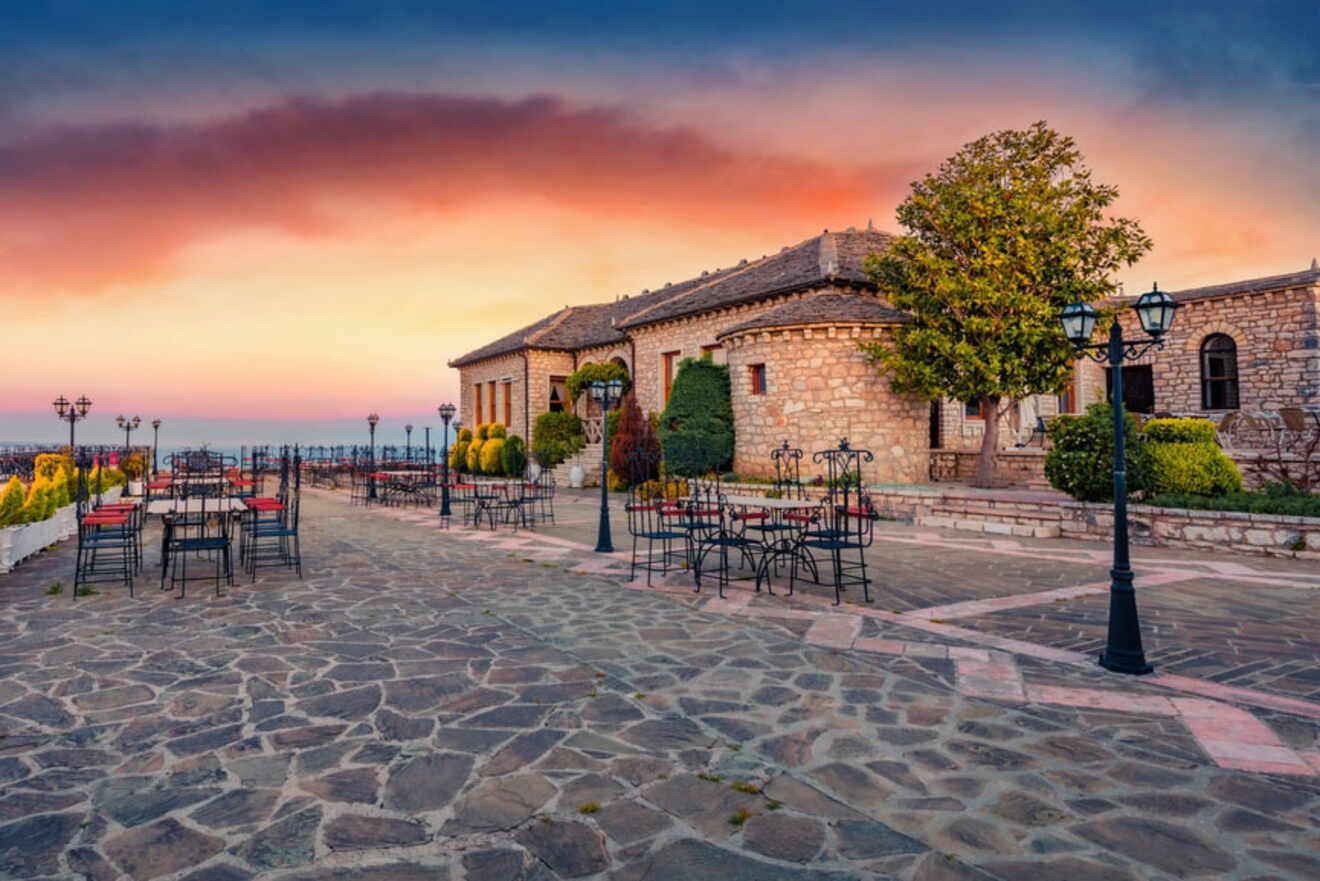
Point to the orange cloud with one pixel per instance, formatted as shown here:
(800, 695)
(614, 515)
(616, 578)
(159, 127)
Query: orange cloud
(87, 207)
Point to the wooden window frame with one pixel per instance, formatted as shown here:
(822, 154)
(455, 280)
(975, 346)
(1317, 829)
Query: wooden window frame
(477, 387)
(979, 415)
(757, 377)
(669, 363)
(508, 403)
(1230, 381)
(490, 398)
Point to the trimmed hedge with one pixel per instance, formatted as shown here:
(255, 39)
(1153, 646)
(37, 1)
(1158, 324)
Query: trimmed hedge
(473, 456)
(514, 456)
(585, 375)
(1179, 431)
(696, 428)
(492, 457)
(11, 501)
(1185, 458)
(1274, 498)
(1081, 461)
(496, 429)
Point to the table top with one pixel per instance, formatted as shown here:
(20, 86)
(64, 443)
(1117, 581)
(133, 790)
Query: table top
(194, 506)
(781, 504)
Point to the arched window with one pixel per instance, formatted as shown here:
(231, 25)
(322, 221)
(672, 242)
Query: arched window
(1219, 374)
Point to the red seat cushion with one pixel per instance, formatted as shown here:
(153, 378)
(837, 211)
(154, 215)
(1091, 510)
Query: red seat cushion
(107, 519)
(798, 518)
(751, 515)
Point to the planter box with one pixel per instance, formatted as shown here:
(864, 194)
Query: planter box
(21, 542)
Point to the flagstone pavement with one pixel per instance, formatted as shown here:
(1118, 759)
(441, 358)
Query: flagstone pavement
(452, 704)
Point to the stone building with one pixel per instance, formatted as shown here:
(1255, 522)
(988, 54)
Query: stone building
(1247, 345)
(788, 325)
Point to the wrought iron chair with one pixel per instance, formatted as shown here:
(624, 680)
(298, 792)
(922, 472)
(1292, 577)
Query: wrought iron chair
(202, 530)
(715, 527)
(842, 525)
(108, 541)
(273, 531)
(647, 522)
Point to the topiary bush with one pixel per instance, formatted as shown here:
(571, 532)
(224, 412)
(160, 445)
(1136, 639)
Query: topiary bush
(11, 501)
(1081, 461)
(496, 429)
(492, 457)
(696, 428)
(34, 508)
(472, 458)
(555, 437)
(458, 451)
(1186, 459)
(481, 432)
(514, 456)
(584, 376)
(632, 432)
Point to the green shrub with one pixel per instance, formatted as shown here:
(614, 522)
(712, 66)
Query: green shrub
(1195, 468)
(1179, 431)
(481, 432)
(696, 428)
(458, 456)
(492, 457)
(1273, 498)
(11, 501)
(34, 508)
(496, 429)
(585, 375)
(514, 456)
(555, 437)
(473, 456)
(465, 434)
(61, 493)
(1081, 461)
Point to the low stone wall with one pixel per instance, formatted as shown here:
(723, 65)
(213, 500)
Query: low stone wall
(1025, 466)
(1029, 515)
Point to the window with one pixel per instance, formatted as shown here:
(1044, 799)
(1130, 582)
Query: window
(1068, 398)
(713, 353)
(670, 361)
(477, 389)
(1138, 388)
(490, 398)
(558, 393)
(508, 403)
(1219, 375)
(757, 373)
(975, 409)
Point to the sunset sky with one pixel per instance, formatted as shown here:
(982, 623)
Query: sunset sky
(284, 212)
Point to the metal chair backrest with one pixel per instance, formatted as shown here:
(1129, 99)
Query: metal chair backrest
(843, 469)
(788, 471)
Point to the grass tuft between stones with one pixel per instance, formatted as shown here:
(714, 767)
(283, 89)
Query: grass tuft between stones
(740, 816)
(589, 807)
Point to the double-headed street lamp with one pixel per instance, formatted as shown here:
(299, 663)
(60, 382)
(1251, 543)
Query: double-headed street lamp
(606, 394)
(71, 413)
(372, 419)
(1123, 652)
(155, 447)
(446, 411)
(129, 426)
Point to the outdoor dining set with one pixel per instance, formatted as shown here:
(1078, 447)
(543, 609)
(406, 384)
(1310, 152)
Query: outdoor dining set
(694, 524)
(207, 503)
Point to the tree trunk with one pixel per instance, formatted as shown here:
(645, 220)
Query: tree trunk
(989, 456)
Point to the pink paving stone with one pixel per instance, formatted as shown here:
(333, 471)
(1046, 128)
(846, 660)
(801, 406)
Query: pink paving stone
(1312, 759)
(962, 653)
(834, 631)
(989, 679)
(879, 646)
(1258, 767)
(1095, 699)
(1225, 750)
(925, 650)
(1236, 694)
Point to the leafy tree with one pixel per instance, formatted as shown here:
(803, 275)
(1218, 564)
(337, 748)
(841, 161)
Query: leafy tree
(633, 432)
(1007, 232)
(696, 429)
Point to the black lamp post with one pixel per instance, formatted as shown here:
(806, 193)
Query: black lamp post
(71, 413)
(427, 429)
(407, 443)
(1123, 652)
(372, 419)
(155, 447)
(606, 394)
(446, 412)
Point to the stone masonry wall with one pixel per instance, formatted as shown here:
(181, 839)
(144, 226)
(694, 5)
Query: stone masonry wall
(687, 336)
(497, 369)
(820, 388)
(542, 365)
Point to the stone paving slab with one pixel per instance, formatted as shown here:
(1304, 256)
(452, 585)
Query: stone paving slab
(425, 706)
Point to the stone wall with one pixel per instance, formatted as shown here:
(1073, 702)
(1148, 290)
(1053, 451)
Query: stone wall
(1028, 514)
(820, 388)
(497, 370)
(542, 365)
(687, 336)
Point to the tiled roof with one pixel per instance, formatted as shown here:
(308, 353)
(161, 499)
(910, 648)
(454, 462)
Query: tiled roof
(827, 257)
(1251, 285)
(824, 308)
(830, 256)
